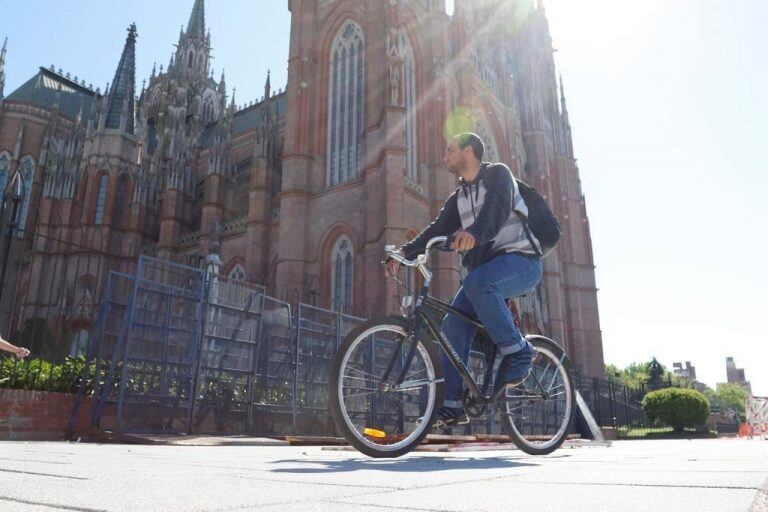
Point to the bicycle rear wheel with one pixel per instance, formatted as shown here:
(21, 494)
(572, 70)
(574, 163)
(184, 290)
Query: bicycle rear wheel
(381, 419)
(537, 415)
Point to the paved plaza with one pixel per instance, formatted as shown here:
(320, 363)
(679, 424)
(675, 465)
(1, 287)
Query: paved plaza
(674, 475)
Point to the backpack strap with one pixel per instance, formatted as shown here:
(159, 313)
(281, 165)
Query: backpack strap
(523, 218)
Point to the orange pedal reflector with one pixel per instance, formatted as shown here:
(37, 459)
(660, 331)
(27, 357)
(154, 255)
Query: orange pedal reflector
(374, 433)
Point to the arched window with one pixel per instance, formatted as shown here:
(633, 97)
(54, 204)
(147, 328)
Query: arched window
(409, 92)
(345, 104)
(237, 273)
(483, 129)
(101, 199)
(5, 164)
(151, 137)
(342, 261)
(27, 170)
(241, 186)
(208, 111)
(197, 204)
(79, 344)
(118, 220)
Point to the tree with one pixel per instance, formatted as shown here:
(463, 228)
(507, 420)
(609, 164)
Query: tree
(730, 396)
(612, 373)
(651, 374)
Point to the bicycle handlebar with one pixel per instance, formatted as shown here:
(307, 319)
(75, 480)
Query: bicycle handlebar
(391, 252)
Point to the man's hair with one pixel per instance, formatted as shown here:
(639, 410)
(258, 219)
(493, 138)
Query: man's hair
(471, 139)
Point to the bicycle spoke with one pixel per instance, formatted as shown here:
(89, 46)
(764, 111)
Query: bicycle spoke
(538, 413)
(383, 418)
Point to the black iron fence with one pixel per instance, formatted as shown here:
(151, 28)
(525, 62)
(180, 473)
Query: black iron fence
(618, 406)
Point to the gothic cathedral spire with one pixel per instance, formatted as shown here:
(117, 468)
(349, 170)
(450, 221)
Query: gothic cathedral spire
(120, 101)
(194, 48)
(2, 67)
(196, 25)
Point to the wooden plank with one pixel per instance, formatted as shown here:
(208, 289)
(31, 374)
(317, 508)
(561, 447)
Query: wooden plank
(315, 440)
(499, 438)
(445, 438)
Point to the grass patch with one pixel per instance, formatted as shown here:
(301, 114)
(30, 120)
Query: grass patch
(663, 433)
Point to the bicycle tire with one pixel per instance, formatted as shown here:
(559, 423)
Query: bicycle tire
(554, 352)
(427, 351)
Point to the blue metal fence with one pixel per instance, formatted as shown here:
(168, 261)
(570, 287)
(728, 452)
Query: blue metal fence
(318, 337)
(185, 354)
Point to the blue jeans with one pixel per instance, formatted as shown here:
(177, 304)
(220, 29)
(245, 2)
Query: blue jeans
(483, 294)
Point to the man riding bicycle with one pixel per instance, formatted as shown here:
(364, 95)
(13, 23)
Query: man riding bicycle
(484, 216)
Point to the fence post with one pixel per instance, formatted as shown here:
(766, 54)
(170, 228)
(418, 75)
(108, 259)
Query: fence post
(295, 342)
(196, 364)
(626, 407)
(612, 396)
(596, 400)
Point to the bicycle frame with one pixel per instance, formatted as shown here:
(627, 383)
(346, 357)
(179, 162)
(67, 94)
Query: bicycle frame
(436, 334)
(420, 321)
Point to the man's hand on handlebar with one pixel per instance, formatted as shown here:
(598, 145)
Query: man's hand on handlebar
(391, 267)
(462, 241)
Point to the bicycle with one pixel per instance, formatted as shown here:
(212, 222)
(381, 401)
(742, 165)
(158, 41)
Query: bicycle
(387, 380)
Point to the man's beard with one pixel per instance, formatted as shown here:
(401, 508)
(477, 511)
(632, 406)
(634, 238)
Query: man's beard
(456, 169)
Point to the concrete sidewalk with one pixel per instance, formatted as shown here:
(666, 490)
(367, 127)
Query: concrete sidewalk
(701, 475)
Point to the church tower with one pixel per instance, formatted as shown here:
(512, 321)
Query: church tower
(363, 145)
(175, 109)
(111, 152)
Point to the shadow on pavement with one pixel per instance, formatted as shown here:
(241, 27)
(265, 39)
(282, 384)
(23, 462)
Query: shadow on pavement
(406, 465)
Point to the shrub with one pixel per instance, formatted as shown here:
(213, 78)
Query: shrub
(676, 407)
(41, 375)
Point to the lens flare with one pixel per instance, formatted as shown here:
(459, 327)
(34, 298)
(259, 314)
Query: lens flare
(461, 120)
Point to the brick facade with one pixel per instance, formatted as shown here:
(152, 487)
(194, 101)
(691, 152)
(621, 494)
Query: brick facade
(251, 184)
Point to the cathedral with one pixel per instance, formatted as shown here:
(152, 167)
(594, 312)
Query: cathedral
(301, 190)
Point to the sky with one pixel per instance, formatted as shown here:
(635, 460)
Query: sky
(668, 106)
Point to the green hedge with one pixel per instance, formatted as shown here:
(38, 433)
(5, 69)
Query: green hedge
(41, 375)
(676, 407)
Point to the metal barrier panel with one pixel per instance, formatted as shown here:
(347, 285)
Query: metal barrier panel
(161, 348)
(319, 335)
(104, 349)
(228, 357)
(274, 384)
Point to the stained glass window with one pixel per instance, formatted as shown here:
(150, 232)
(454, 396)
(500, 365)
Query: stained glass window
(5, 163)
(345, 104)
(101, 199)
(409, 92)
(342, 275)
(27, 170)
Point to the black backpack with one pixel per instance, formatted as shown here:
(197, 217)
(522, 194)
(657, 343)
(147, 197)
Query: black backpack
(540, 221)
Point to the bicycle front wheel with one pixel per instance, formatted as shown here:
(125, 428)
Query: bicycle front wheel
(537, 415)
(379, 417)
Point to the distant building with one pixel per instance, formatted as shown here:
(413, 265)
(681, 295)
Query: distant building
(736, 375)
(688, 371)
